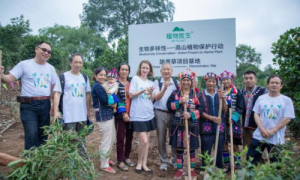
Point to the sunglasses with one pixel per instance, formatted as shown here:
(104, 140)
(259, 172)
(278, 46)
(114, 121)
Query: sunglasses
(45, 50)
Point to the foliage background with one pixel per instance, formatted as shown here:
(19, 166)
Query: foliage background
(287, 56)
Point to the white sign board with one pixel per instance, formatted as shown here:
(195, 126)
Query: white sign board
(203, 46)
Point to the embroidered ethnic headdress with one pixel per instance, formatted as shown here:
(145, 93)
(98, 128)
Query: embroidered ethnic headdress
(210, 75)
(227, 74)
(188, 73)
(113, 73)
(191, 75)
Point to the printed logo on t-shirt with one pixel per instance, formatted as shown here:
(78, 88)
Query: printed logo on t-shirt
(78, 89)
(41, 80)
(272, 112)
(144, 95)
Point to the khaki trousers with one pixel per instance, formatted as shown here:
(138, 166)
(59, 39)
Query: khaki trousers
(163, 124)
(108, 136)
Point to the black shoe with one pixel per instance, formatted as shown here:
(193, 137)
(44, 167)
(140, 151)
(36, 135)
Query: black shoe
(148, 172)
(139, 171)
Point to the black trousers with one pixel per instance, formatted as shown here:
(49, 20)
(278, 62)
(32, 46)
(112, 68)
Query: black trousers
(256, 155)
(207, 142)
(34, 117)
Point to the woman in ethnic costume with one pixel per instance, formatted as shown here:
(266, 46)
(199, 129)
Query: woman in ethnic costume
(124, 132)
(186, 95)
(234, 99)
(209, 108)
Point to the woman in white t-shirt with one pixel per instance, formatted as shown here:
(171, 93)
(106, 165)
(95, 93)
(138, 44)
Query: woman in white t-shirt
(142, 111)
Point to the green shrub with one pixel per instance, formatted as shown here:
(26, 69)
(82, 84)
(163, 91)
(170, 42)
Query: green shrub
(287, 167)
(294, 127)
(287, 58)
(59, 158)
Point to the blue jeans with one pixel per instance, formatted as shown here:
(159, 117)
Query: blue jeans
(34, 117)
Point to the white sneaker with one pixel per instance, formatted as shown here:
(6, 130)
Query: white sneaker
(174, 164)
(164, 167)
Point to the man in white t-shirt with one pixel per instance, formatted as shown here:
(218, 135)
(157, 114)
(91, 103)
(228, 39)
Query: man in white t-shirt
(163, 88)
(272, 112)
(38, 80)
(76, 96)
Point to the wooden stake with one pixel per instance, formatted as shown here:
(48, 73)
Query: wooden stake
(218, 129)
(187, 144)
(231, 146)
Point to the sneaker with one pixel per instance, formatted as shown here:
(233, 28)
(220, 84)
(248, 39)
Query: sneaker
(174, 164)
(193, 173)
(179, 174)
(164, 167)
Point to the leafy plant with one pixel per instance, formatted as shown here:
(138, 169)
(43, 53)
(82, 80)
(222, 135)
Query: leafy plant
(287, 57)
(63, 157)
(287, 167)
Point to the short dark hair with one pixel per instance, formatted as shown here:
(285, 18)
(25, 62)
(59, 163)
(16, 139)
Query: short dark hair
(97, 71)
(274, 76)
(250, 72)
(150, 74)
(73, 55)
(121, 64)
(42, 42)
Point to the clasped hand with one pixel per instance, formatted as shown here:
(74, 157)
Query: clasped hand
(267, 133)
(183, 100)
(222, 94)
(149, 90)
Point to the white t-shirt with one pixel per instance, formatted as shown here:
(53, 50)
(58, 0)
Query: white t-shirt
(141, 106)
(162, 103)
(36, 79)
(272, 110)
(74, 99)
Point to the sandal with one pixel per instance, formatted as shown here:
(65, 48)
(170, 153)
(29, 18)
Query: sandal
(109, 170)
(121, 165)
(129, 162)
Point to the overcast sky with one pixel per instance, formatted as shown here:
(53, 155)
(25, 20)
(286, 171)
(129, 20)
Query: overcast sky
(259, 23)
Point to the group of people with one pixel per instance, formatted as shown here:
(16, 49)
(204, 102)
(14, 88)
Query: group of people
(123, 106)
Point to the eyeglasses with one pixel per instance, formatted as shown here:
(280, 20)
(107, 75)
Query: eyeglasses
(45, 50)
